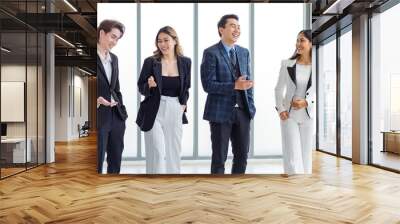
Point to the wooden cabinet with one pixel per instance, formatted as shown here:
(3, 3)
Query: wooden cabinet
(391, 141)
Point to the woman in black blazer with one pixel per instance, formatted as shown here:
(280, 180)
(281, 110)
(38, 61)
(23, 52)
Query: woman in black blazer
(164, 82)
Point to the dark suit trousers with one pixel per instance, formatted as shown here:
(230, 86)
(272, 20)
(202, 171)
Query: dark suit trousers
(110, 139)
(238, 131)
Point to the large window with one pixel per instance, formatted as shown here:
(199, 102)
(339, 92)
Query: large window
(346, 93)
(271, 45)
(22, 88)
(385, 89)
(327, 96)
(334, 63)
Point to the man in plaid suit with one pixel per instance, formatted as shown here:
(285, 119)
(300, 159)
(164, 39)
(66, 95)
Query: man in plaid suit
(225, 76)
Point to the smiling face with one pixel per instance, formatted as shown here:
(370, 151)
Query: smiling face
(109, 40)
(230, 32)
(303, 45)
(166, 44)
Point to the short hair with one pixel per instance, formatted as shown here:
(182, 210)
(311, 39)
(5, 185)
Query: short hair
(107, 25)
(224, 19)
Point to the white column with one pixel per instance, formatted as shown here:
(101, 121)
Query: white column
(50, 92)
(307, 15)
(360, 90)
(50, 101)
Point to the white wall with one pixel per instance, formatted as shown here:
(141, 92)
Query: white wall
(80, 84)
(14, 73)
(61, 103)
(33, 126)
(69, 85)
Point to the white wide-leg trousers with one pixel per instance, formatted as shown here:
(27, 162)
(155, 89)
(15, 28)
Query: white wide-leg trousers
(163, 141)
(297, 142)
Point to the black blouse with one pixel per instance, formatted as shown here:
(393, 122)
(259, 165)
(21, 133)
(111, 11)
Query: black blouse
(170, 86)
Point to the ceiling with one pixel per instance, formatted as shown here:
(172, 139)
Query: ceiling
(330, 15)
(76, 25)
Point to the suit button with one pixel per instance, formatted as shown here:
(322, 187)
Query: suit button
(307, 94)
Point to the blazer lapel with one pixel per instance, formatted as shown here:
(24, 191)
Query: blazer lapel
(157, 69)
(114, 73)
(225, 56)
(181, 73)
(292, 73)
(102, 70)
(240, 58)
(309, 82)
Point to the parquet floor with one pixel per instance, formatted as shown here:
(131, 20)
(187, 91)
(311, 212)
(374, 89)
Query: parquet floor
(70, 191)
(10, 171)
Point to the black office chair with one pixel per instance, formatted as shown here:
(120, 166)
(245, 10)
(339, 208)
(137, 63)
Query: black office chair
(84, 130)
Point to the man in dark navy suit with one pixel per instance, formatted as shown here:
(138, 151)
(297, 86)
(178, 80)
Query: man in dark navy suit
(225, 76)
(111, 112)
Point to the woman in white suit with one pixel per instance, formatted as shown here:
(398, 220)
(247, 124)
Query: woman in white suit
(294, 96)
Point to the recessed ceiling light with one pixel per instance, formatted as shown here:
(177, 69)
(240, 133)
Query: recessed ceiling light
(84, 71)
(338, 6)
(5, 50)
(64, 40)
(70, 5)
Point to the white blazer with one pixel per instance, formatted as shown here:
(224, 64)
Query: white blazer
(286, 88)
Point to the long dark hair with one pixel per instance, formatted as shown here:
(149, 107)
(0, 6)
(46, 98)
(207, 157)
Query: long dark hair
(172, 33)
(308, 36)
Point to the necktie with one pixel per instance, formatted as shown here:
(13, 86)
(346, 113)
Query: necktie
(232, 56)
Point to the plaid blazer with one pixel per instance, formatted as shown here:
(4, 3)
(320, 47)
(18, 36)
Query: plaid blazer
(218, 80)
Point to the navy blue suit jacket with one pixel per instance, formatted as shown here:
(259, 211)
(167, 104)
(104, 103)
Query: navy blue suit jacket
(218, 80)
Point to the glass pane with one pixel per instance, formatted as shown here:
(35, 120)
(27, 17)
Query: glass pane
(346, 94)
(32, 87)
(327, 97)
(209, 15)
(41, 99)
(32, 98)
(182, 22)
(266, 68)
(385, 86)
(126, 52)
(14, 153)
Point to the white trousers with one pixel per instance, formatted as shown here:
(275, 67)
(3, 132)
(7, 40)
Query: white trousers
(163, 141)
(297, 141)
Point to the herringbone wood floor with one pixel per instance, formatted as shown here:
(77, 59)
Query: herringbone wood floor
(70, 191)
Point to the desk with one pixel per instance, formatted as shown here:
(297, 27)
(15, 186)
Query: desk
(391, 141)
(13, 150)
